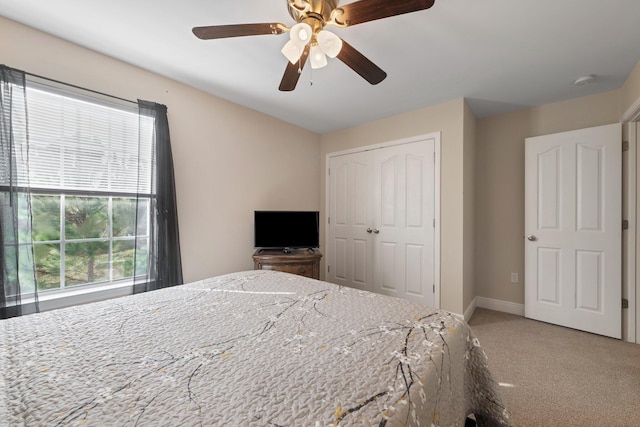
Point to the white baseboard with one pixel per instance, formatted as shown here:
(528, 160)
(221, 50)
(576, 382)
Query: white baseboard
(468, 313)
(497, 305)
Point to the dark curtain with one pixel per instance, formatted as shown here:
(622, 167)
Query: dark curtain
(165, 263)
(18, 291)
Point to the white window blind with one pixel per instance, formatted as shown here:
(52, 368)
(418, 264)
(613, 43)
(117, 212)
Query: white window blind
(86, 146)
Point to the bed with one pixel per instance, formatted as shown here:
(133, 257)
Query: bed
(255, 348)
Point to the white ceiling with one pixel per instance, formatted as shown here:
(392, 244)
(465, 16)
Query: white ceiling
(501, 55)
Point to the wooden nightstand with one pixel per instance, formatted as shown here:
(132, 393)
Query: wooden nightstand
(304, 262)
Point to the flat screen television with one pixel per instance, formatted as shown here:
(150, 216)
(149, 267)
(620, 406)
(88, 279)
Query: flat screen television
(286, 229)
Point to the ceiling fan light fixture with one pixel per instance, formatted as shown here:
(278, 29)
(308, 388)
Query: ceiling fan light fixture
(329, 43)
(292, 51)
(301, 34)
(318, 58)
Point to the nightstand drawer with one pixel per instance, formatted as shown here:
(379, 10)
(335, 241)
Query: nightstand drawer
(301, 262)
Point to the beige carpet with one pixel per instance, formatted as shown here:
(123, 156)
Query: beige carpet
(554, 376)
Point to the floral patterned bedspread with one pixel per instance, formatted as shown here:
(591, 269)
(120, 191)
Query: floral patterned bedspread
(257, 348)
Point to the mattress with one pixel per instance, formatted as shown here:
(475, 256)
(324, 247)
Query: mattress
(255, 348)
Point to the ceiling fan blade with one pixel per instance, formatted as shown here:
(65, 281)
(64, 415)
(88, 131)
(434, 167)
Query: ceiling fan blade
(293, 71)
(237, 30)
(361, 64)
(370, 10)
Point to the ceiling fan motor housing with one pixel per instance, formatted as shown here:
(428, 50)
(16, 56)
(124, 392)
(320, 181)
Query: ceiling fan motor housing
(319, 10)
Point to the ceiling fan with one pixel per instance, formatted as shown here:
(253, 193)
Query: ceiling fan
(308, 37)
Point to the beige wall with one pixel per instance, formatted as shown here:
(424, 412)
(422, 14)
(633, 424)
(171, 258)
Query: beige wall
(228, 160)
(447, 118)
(469, 208)
(630, 91)
(500, 183)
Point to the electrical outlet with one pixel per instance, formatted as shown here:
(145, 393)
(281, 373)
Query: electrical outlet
(514, 277)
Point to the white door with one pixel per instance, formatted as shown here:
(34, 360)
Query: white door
(381, 206)
(573, 229)
(404, 221)
(350, 204)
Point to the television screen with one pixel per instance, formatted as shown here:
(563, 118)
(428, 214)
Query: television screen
(287, 229)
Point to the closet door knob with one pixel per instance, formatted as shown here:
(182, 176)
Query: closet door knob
(532, 238)
(369, 230)
(376, 231)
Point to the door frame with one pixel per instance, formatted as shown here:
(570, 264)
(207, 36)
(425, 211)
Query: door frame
(436, 236)
(631, 206)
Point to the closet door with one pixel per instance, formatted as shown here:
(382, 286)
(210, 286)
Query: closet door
(350, 206)
(381, 234)
(403, 200)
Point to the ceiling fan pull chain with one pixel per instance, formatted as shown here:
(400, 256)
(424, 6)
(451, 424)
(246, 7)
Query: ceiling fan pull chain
(311, 77)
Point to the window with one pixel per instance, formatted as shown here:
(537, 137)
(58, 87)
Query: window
(90, 215)
(98, 172)
(80, 240)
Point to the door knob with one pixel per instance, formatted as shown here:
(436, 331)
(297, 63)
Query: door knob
(369, 230)
(376, 231)
(532, 238)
